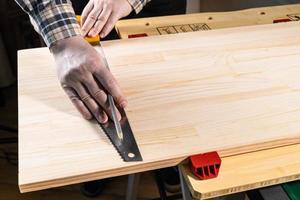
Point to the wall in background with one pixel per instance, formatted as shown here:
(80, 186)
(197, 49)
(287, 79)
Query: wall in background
(231, 5)
(193, 6)
(6, 77)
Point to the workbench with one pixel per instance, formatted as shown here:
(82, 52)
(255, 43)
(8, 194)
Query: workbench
(206, 21)
(239, 172)
(63, 144)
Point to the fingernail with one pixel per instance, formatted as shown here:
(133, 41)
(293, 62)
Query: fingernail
(102, 118)
(119, 116)
(101, 35)
(92, 34)
(123, 104)
(86, 116)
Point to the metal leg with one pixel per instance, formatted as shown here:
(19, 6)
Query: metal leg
(2, 99)
(132, 186)
(160, 185)
(275, 192)
(184, 188)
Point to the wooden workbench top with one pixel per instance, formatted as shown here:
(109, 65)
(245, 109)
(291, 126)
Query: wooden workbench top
(207, 20)
(232, 90)
(248, 171)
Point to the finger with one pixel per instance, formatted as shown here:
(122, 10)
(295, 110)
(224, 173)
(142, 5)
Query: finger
(108, 81)
(100, 96)
(91, 18)
(87, 9)
(101, 21)
(112, 20)
(93, 107)
(77, 102)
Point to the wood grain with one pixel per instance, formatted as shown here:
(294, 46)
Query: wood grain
(208, 189)
(248, 171)
(206, 20)
(232, 90)
(115, 188)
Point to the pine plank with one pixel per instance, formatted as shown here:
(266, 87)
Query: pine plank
(232, 90)
(115, 188)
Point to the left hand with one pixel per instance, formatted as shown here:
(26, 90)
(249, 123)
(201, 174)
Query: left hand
(100, 16)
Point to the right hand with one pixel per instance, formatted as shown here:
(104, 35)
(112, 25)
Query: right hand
(85, 78)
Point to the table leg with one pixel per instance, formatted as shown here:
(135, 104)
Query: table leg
(184, 188)
(275, 192)
(132, 186)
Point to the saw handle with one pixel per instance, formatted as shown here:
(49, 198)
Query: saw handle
(92, 40)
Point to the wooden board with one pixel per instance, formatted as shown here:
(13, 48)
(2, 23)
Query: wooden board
(205, 21)
(247, 172)
(247, 179)
(232, 90)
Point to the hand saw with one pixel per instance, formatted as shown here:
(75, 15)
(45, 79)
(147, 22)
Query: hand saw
(119, 132)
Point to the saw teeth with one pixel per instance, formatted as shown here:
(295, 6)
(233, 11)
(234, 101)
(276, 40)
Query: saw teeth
(127, 148)
(111, 141)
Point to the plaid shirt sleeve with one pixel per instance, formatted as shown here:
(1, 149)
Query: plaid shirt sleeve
(54, 19)
(138, 4)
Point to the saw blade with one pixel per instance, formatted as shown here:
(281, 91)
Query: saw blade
(127, 147)
(114, 116)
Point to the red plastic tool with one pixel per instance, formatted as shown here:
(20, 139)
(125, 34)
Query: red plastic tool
(206, 165)
(137, 35)
(281, 20)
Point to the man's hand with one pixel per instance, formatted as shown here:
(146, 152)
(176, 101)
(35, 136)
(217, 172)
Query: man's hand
(85, 79)
(100, 16)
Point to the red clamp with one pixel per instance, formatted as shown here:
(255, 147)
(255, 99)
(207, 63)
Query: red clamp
(137, 35)
(281, 20)
(206, 165)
